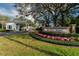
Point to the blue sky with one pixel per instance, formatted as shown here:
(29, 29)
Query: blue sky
(8, 9)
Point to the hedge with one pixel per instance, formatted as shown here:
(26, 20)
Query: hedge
(2, 30)
(63, 35)
(69, 43)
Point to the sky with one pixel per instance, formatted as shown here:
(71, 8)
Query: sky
(8, 9)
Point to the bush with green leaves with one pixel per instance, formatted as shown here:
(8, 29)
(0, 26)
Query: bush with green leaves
(60, 34)
(2, 30)
(67, 21)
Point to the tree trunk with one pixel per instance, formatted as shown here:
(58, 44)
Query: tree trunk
(55, 20)
(62, 19)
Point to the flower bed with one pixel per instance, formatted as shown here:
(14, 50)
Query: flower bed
(53, 37)
(68, 43)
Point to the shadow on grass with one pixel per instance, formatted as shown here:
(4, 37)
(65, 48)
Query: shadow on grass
(35, 48)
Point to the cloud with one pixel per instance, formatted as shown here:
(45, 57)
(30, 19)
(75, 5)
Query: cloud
(10, 13)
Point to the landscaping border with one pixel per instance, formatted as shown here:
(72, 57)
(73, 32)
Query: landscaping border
(62, 35)
(69, 43)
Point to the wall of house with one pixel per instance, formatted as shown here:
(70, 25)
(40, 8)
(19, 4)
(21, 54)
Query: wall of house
(14, 27)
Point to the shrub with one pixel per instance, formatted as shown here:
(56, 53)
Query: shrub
(76, 38)
(39, 29)
(62, 35)
(2, 30)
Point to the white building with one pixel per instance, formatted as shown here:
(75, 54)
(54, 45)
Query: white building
(12, 26)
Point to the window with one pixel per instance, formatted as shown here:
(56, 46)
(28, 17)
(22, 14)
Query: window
(9, 27)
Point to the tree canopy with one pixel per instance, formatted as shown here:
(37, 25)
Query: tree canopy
(49, 12)
(4, 18)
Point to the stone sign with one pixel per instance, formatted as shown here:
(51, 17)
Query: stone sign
(58, 29)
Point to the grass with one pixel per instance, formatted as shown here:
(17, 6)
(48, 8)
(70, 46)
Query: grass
(24, 45)
(43, 47)
(11, 48)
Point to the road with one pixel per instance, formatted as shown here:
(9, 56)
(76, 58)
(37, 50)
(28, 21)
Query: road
(11, 33)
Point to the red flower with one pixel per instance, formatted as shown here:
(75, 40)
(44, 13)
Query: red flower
(39, 34)
(53, 37)
(62, 39)
(44, 36)
(49, 36)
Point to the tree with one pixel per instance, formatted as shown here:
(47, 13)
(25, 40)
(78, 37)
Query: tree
(61, 10)
(76, 21)
(3, 20)
(57, 11)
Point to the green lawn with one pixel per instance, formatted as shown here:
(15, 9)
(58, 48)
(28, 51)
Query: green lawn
(21, 45)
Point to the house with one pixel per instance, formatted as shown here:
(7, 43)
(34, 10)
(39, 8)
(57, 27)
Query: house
(16, 25)
(12, 26)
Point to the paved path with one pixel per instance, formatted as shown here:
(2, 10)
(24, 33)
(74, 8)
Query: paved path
(11, 33)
